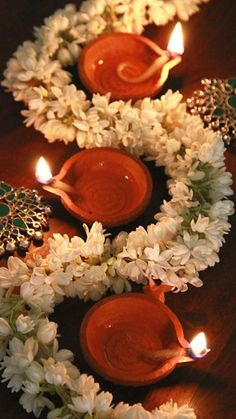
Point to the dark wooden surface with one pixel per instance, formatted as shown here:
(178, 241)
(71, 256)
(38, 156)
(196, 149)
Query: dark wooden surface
(209, 386)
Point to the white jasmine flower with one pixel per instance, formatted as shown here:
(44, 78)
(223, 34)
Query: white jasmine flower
(171, 410)
(24, 324)
(15, 274)
(30, 348)
(94, 245)
(211, 149)
(5, 328)
(155, 254)
(134, 270)
(168, 209)
(123, 411)
(163, 231)
(57, 279)
(20, 357)
(102, 404)
(186, 8)
(30, 387)
(68, 101)
(46, 332)
(158, 262)
(38, 102)
(35, 372)
(136, 242)
(181, 194)
(221, 182)
(35, 403)
(55, 372)
(102, 105)
(172, 110)
(60, 35)
(61, 251)
(200, 251)
(91, 20)
(93, 284)
(120, 285)
(200, 225)
(161, 11)
(119, 409)
(215, 233)
(29, 69)
(55, 129)
(24, 351)
(84, 384)
(72, 371)
(119, 242)
(221, 209)
(83, 403)
(63, 355)
(41, 296)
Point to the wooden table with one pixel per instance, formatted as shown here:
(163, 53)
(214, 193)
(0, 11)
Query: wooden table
(210, 385)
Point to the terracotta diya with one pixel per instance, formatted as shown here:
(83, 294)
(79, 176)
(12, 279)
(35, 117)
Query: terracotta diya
(126, 65)
(133, 339)
(103, 184)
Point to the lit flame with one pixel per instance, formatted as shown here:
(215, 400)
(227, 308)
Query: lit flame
(43, 173)
(176, 44)
(198, 346)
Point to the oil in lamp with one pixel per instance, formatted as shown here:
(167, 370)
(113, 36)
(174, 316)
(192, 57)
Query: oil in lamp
(128, 66)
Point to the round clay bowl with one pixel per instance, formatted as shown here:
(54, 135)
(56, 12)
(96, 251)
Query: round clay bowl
(109, 186)
(116, 333)
(99, 60)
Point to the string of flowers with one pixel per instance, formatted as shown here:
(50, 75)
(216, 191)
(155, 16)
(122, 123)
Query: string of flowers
(32, 361)
(36, 76)
(184, 240)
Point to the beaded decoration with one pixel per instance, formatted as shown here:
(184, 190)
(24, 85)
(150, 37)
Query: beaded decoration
(216, 105)
(23, 217)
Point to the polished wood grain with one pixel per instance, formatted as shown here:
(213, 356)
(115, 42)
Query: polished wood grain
(209, 386)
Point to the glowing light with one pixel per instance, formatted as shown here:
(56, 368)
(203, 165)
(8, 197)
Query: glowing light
(198, 346)
(176, 44)
(43, 173)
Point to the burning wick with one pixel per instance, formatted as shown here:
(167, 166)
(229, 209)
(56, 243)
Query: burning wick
(43, 175)
(167, 60)
(197, 349)
(198, 346)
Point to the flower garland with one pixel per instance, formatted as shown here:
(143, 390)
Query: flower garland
(35, 73)
(185, 239)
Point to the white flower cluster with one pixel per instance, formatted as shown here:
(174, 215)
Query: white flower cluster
(30, 359)
(185, 240)
(189, 229)
(35, 73)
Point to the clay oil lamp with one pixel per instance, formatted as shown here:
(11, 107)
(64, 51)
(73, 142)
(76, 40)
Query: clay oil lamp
(100, 184)
(135, 339)
(128, 66)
